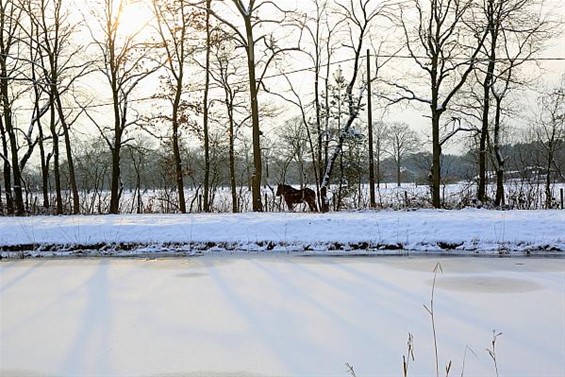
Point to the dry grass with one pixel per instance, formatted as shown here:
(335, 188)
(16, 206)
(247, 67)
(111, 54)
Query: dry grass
(409, 356)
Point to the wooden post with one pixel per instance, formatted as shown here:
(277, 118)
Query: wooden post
(372, 202)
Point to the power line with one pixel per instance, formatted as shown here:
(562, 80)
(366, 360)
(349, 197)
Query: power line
(312, 68)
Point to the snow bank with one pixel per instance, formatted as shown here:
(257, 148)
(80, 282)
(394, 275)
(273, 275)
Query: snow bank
(463, 231)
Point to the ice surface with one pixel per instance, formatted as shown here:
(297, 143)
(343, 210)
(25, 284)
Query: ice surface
(278, 315)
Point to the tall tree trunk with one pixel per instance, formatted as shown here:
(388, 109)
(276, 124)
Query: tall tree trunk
(13, 146)
(499, 197)
(9, 22)
(115, 178)
(7, 171)
(205, 108)
(325, 146)
(483, 136)
(44, 161)
(487, 86)
(179, 180)
(178, 162)
(36, 109)
(69, 154)
(435, 179)
(318, 165)
(340, 185)
(231, 153)
(436, 160)
(257, 204)
(398, 172)
(175, 48)
(56, 156)
(548, 196)
(372, 201)
(116, 151)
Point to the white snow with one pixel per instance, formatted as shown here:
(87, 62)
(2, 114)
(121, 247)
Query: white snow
(279, 315)
(281, 294)
(467, 231)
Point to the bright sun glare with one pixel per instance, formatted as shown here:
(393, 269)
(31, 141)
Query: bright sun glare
(135, 18)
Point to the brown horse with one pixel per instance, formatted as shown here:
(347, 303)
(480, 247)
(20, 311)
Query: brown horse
(293, 196)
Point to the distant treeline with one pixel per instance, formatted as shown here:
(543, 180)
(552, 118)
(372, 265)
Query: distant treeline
(149, 170)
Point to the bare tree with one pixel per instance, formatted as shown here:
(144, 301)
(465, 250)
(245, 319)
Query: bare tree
(522, 39)
(60, 69)
(125, 63)
(319, 45)
(205, 109)
(550, 133)
(138, 153)
(516, 32)
(38, 107)
(294, 144)
(442, 47)
(337, 110)
(317, 127)
(381, 139)
(402, 141)
(226, 72)
(380, 62)
(10, 71)
(174, 23)
(256, 16)
(358, 17)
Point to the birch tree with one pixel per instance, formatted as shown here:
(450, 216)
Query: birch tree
(358, 17)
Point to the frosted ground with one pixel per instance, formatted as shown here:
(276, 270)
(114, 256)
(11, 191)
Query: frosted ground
(468, 231)
(282, 294)
(519, 195)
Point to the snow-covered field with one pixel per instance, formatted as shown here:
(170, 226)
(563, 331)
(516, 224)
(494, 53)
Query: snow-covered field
(520, 194)
(468, 231)
(279, 315)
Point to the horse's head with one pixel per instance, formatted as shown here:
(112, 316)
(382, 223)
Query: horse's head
(279, 189)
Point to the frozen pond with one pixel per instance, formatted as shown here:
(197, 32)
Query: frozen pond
(279, 315)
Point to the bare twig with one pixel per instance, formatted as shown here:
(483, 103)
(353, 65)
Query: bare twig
(430, 310)
(409, 355)
(350, 370)
(492, 351)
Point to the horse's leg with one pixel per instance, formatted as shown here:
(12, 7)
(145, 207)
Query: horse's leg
(289, 204)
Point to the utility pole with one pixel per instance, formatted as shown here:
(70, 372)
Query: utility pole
(372, 202)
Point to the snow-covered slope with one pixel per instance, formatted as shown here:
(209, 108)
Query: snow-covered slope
(462, 231)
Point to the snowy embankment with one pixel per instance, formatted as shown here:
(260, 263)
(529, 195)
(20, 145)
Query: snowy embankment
(468, 231)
